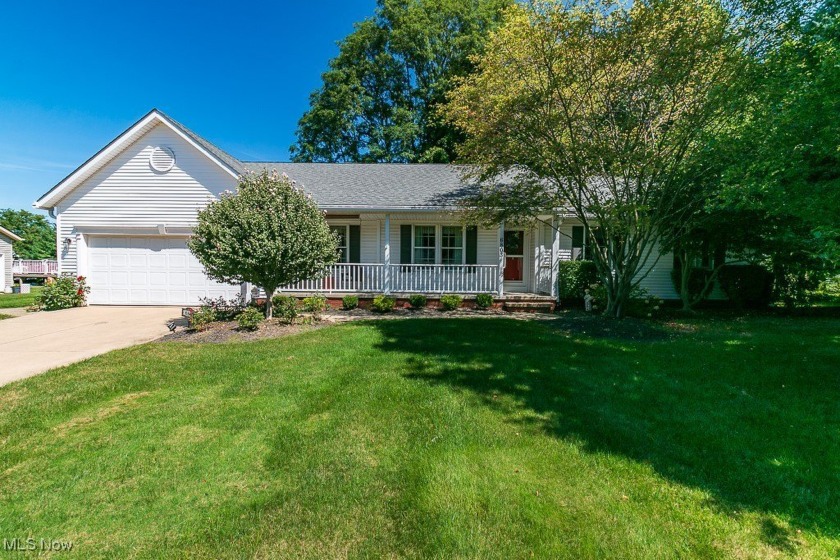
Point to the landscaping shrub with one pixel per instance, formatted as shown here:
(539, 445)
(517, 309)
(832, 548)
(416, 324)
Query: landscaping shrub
(383, 304)
(315, 303)
(450, 302)
(484, 301)
(201, 318)
(643, 304)
(746, 285)
(250, 319)
(225, 310)
(574, 277)
(417, 301)
(62, 293)
(350, 302)
(285, 307)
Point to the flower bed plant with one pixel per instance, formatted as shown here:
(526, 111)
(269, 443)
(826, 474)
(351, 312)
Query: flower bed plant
(63, 292)
(451, 302)
(350, 302)
(484, 301)
(383, 304)
(417, 301)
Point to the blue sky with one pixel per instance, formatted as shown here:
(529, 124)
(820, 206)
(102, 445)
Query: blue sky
(73, 75)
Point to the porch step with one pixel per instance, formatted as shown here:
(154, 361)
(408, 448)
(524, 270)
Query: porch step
(532, 306)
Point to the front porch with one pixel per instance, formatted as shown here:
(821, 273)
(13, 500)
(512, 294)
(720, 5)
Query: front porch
(431, 253)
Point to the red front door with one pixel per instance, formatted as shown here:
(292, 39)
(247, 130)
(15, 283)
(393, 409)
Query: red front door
(514, 255)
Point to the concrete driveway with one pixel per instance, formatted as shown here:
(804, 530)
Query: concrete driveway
(36, 342)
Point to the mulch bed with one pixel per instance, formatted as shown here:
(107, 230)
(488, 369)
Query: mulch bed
(570, 322)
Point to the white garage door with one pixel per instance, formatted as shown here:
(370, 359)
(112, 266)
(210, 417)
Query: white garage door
(148, 271)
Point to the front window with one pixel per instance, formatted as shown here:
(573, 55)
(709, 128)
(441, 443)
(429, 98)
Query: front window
(341, 233)
(424, 244)
(452, 245)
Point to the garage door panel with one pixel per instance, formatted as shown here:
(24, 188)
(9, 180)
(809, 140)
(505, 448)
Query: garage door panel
(177, 260)
(177, 279)
(118, 260)
(148, 271)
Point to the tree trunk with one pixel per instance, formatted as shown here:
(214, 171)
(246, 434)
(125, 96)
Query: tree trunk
(269, 309)
(617, 295)
(685, 272)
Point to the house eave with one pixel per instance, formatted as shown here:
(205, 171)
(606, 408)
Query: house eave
(10, 234)
(49, 199)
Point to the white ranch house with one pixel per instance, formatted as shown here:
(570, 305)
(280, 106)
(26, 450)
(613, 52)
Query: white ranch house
(124, 216)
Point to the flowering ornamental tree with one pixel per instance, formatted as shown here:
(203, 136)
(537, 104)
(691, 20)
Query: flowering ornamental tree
(269, 233)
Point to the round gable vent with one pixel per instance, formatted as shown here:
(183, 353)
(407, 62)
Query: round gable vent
(162, 159)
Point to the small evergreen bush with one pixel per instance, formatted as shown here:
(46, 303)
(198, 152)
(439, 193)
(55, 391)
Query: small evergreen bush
(201, 318)
(484, 301)
(285, 307)
(350, 302)
(417, 301)
(250, 319)
(315, 303)
(451, 302)
(383, 304)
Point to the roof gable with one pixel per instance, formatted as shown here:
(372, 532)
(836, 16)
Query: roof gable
(6, 233)
(153, 118)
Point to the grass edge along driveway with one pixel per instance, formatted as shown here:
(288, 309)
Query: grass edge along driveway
(436, 438)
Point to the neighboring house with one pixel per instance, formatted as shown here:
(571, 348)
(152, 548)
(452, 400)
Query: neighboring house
(6, 240)
(124, 216)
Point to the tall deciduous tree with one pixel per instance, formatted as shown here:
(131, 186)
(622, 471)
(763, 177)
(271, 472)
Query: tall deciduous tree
(269, 233)
(783, 157)
(379, 96)
(37, 232)
(597, 107)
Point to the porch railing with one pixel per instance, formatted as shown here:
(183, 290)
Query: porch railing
(23, 267)
(406, 278)
(444, 278)
(344, 277)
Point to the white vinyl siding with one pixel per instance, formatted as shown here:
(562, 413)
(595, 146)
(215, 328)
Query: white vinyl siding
(5, 262)
(658, 281)
(370, 252)
(128, 193)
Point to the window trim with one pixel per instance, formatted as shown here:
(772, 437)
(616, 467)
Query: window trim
(346, 245)
(439, 244)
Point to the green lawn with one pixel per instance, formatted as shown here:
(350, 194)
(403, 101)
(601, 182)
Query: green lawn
(19, 300)
(437, 438)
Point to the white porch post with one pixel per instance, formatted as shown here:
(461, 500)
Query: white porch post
(387, 255)
(501, 259)
(555, 254)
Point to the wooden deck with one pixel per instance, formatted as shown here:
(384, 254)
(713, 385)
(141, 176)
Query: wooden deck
(34, 268)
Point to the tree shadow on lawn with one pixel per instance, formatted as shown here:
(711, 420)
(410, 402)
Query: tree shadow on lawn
(728, 412)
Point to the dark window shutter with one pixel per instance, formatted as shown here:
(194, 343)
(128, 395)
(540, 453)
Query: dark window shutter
(472, 245)
(577, 237)
(355, 244)
(405, 244)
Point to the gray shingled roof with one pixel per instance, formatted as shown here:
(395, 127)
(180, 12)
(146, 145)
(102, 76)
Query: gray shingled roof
(373, 185)
(358, 185)
(220, 154)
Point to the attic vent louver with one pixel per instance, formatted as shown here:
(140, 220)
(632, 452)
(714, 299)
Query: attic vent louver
(162, 159)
